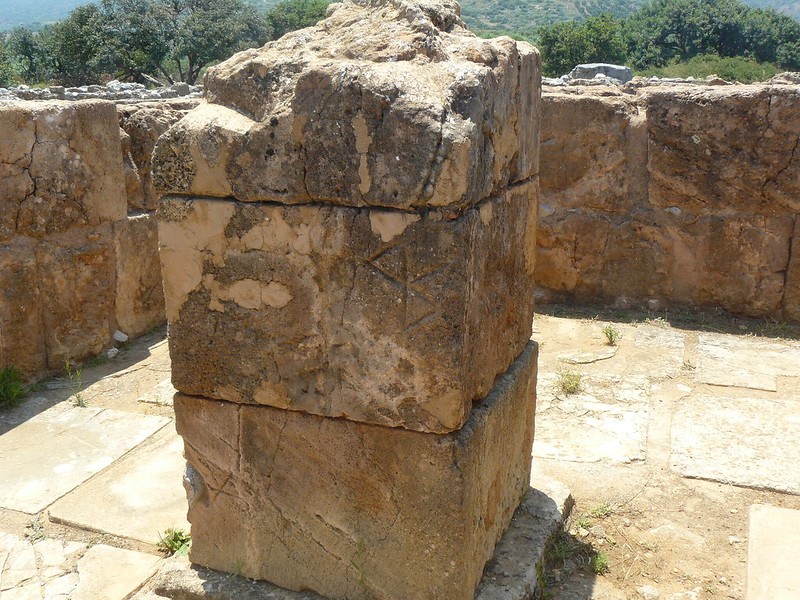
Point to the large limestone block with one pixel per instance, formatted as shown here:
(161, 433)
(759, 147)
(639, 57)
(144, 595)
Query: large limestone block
(139, 294)
(393, 318)
(388, 103)
(593, 153)
(22, 341)
(725, 149)
(64, 164)
(18, 135)
(587, 253)
(77, 289)
(352, 510)
(738, 262)
(145, 123)
(134, 190)
(791, 298)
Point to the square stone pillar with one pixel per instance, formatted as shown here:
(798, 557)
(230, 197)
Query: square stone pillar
(347, 241)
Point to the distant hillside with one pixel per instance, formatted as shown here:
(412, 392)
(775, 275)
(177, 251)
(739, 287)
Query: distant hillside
(525, 16)
(34, 13)
(489, 16)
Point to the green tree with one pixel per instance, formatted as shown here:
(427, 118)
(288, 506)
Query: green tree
(671, 31)
(25, 47)
(569, 43)
(208, 31)
(290, 15)
(73, 48)
(136, 37)
(7, 74)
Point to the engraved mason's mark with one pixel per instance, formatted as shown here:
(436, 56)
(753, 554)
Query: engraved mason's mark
(393, 265)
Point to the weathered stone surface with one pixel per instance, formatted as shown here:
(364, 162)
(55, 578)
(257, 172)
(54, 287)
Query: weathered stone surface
(762, 429)
(686, 195)
(592, 152)
(735, 261)
(77, 282)
(384, 103)
(728, 149)
(773, 539)
(108, 573)
(791, 297)
(71, 445)
(63, 163)
(18, 132)
(512, 574)
(748, 363)
(385, 317)
(137, 498)
(134, 190)
(352, 510)
(592, 70)
(590, 254)
(145, 123)
(139, 293)
(606, 420)
(21, 319)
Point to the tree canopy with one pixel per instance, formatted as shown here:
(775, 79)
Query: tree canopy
(141, 40)
(670, 31)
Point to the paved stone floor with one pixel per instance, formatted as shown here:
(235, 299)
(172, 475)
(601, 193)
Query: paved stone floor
(670, 439)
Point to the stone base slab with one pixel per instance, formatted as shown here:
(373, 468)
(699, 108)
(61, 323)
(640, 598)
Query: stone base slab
(351, 510)
(510, 575)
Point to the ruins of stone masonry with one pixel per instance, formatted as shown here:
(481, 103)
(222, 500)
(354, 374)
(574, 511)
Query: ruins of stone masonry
(347, 237)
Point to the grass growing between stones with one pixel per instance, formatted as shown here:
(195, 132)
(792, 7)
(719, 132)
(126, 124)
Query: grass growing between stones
(75, 377)
(174, 542)
(569, 382)
(612, 335)
(12, 387)
(566, 554)
(680, 317)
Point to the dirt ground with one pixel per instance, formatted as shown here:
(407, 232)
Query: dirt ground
(642, 526)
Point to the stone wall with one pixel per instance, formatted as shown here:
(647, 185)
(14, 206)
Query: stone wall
(685, 195)
(78, 248)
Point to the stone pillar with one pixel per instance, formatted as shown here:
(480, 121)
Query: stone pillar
(347, 248)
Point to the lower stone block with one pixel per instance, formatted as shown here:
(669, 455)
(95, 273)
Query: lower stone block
(140, 295)
(352, 510)
(21, 323)
(77, 286)
(791, 297)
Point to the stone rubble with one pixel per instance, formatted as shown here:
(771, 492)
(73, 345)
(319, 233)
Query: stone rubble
(113, 90)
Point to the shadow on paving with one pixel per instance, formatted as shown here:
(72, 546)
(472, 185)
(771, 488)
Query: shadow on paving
(567, 558)
(48, 392)
(687, 318)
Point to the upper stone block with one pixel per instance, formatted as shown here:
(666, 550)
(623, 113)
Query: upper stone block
(385, 103)
(60, 167)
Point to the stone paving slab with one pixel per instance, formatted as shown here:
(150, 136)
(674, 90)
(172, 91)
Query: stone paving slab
(56, 450)
(107, 573)
(163, 393)
(663, 350)
(138, 497)
(758, 449)
(773, 549)
(50, 569)
(745, 362)
(606, 420)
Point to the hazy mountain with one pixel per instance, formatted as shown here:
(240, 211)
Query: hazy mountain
(32, 13)
(490, 15)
